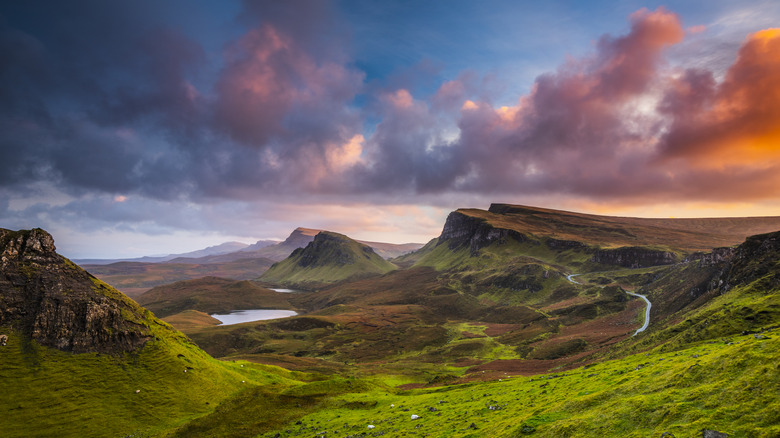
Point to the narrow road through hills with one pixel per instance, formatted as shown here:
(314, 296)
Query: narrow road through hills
(570, 277)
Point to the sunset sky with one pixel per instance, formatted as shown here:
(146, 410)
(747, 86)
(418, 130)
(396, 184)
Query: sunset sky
(145, 127)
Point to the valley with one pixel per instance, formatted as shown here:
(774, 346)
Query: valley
(514, 321)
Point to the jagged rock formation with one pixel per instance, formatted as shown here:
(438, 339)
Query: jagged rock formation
(46, 297)
(476, 233)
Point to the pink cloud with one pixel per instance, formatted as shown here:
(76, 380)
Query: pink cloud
(268, 78)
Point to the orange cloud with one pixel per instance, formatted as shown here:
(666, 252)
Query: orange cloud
(346, 155)
(738, 123)
(401, 99)
(469, 105)
(697, 29)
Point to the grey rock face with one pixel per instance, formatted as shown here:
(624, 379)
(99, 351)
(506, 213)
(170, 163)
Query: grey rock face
(460, 230)
(58, 304)
(634, 257)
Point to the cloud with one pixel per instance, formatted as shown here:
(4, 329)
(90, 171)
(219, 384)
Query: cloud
(124, 116)
(735, 122)
(270, 89)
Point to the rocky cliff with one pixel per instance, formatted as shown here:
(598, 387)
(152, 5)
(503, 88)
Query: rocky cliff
(634, 257)
(463, 230)
(716, 257)
(756, 259)
(46, 297)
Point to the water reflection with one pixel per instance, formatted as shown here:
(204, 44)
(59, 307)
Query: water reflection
(239, 316)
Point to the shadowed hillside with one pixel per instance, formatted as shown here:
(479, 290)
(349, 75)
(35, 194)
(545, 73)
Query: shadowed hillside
(329, 258)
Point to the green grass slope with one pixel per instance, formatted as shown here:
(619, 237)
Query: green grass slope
(169, 382)
(211, 295)
(328, 259)
(729, 387)
(80, 359)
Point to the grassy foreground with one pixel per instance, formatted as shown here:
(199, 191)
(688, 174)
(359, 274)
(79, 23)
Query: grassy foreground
(729, 385)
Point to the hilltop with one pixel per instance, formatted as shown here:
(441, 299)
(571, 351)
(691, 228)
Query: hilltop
(329, 258)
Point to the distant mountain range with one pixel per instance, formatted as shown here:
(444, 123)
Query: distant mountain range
(233, 260)
(223, 248)
(271, 249)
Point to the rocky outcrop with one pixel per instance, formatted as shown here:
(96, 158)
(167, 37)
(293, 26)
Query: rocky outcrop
(300, 237)
(716, 257)
(476, 233)
(634, 257)
(48, 298)
(563, 245)
(755, 259)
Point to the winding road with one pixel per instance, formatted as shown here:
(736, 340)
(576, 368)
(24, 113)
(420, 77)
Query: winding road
(570, 277)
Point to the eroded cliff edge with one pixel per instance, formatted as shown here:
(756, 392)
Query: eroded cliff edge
(48, 298)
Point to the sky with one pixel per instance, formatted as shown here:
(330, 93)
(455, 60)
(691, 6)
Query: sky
(146, 127)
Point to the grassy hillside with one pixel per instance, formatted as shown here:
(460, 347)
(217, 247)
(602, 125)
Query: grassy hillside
(728, 387)
(329, 258)
(211, 295)
(170, 381)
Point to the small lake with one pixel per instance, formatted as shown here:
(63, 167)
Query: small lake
(286, 291)
(239, 316)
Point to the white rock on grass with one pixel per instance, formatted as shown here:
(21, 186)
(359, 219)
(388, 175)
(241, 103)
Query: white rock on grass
(371, 426)
(414, 417)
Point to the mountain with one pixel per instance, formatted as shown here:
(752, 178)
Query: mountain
(700, 234)
(391, 250)
(223, 248)
(329, 258)
(79, 358)
(211, 295)
(135, 278)
(259, 245)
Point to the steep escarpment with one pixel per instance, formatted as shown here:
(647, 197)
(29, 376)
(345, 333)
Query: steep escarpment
(756, 261)
(46, 297)
(463, 230)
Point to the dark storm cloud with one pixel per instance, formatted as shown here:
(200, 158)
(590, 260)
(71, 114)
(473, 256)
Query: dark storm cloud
(84, 86)
(113, 99)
